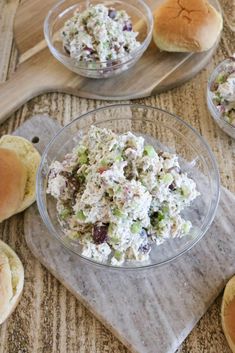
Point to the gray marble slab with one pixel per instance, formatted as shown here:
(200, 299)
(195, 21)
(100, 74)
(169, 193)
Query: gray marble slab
(150, 311)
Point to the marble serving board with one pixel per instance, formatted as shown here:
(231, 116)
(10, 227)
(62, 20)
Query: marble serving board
(150, 311)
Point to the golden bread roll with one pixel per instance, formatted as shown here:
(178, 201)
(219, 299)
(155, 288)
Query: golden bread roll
(13, 176)
(228, 313)
(11, 280)
(186, 25)
(30, 157)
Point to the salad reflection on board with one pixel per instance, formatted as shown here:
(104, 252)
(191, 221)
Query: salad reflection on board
(118, 196)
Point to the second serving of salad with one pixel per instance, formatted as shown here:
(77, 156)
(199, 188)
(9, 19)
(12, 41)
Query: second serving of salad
(223, 91)
(99, 34)
(118, 196)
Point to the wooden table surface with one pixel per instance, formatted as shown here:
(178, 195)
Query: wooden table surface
(49, 319)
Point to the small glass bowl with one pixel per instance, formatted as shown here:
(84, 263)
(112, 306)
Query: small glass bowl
(216, 114)
(142, 21)
(164, 131)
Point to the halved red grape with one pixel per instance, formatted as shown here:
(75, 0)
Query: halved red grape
(100, 234)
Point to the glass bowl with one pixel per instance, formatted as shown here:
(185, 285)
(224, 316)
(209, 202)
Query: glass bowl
(142, 21)
(163, 130)
(216, 114)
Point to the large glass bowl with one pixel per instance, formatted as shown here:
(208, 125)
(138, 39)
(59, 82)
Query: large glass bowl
(142, 21)
(163, 130)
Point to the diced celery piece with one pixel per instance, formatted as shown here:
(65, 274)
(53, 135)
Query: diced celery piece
(118, 255)
(117, 212)
(119, 189)
(160, 216)
(64, 214)
(104, 162)
(114, 240)
(186, 227)
(83, 159)
(167, 178)
(74, 235)
(149, 151)
(82, 155)
(110, 229)
(136, 227)
(165, 209)
(118, 158)
(185, 191)
(80, 215)
(221, 78)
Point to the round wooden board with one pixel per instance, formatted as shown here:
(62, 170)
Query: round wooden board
(39, 72)
(155, 72)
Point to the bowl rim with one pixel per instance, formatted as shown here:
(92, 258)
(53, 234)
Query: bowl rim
(213, 206)
(212, 107)
(140, 49)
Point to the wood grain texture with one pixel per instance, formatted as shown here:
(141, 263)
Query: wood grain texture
(155, 72)
(48, 317)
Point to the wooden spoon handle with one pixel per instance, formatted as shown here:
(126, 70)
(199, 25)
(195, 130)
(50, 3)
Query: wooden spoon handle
(25, 84)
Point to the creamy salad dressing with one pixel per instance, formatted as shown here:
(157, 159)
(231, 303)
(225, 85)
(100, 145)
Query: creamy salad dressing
(99, 34)
(118, 196)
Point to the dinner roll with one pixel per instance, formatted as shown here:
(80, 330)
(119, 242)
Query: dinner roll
(11, 280)
(186, 25)
(13, 176)
(228, 313)
(30, 157)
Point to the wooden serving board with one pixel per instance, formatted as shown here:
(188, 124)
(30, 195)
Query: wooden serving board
(150, 311)
(39, 72)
